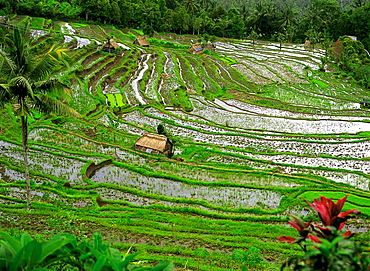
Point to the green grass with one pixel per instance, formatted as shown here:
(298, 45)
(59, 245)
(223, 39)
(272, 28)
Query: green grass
(115, 99)
(353, 201)
(119, 99)
(320, 83)
(139, 32)
(77, 25)
(111, 99)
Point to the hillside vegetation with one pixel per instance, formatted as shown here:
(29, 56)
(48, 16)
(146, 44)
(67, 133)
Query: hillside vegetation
(255, 126)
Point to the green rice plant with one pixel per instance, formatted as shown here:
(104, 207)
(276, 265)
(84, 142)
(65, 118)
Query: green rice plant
(37, 22)
(359, 202)
(138, 31)
(183, 98)
(78, 25)
(320, 83)
(187, 73)
(167, 44)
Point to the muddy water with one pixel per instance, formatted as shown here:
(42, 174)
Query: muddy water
(143, 67)
(68, 29)
(277, 124)
(42, 162)
(217, 195)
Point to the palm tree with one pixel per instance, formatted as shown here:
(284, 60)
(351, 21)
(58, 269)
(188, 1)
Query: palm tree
(288, 16)
(26, 83)
(192, 7)
(264, 17)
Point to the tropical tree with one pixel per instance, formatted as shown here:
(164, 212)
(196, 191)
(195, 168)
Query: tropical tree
(205, 20)
(222, 24)
(26, 83)
(265, 18)
(326, 44)
(290, 32)
(314, 37)
(192, 7)
(204, 4)
(244, 11)
(288, 16)
(322, 15)
(280, 37)
(181, 21)
(168, 20)
(116, 13)
(254, 36)
(150, 14)
(358, 3)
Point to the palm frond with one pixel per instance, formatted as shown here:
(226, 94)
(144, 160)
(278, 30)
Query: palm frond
(63, 57)
(46, 104)
(61, 52)
(25, 77)
(19, 50)
(9, 42)
(21, 87)
(54, 88)
(4, 94)
(7, 64)
(41, 67)
(51, 53)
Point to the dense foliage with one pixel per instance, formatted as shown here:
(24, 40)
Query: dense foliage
(272, 19)
(66, 252)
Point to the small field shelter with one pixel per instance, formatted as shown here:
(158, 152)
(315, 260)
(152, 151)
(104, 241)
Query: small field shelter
(142, 41)
(110, 46)
(154, 143)
(196, 49)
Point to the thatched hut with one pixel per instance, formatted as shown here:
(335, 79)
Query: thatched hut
(154, 143)
(307, 44)
(110, 46)
(142, 41)
(196, 49)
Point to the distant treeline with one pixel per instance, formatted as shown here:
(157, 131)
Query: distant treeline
(282, 20)
(299, 4)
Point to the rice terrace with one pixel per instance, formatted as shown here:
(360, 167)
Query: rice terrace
(231, 139)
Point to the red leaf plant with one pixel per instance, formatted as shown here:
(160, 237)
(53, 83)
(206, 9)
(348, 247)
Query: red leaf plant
(329, 212)
(302, 228)
(331, 218)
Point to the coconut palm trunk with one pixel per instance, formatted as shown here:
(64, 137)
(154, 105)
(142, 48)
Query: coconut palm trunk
(25, 157)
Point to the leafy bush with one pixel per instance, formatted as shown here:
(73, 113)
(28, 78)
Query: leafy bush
(362, 75)
(251, 258)
(337, 255)
(25, 253)
(332, 250)
(64, 250)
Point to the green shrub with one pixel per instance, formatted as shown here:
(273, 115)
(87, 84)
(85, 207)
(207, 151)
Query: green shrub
(25, 253)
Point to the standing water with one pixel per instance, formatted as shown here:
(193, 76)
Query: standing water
(135, 83)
